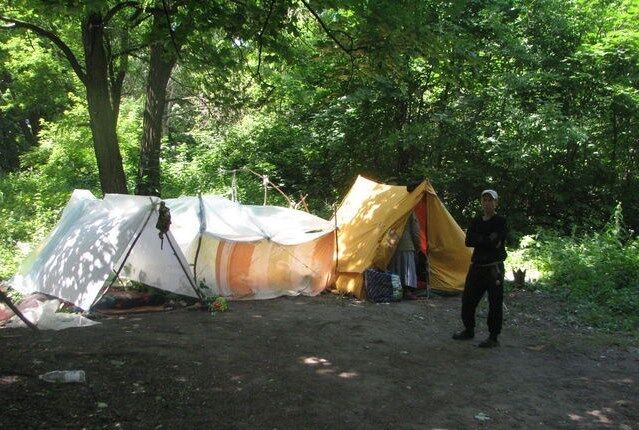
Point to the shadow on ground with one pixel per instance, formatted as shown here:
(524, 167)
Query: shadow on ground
(325, 362)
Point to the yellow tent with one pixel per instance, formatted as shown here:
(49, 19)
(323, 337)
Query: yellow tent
(370, 221)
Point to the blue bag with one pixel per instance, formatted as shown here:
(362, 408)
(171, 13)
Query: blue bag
(381, 286)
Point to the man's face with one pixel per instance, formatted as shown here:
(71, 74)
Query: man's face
(488, 204)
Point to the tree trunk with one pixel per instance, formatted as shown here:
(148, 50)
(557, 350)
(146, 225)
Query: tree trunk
(161, 62)
(101, 115)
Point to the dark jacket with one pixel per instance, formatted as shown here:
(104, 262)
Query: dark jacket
(488, 249)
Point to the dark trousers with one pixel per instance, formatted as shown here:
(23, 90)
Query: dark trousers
(479, 280)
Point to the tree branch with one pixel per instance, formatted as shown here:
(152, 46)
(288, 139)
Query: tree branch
(130, 50)
(326, 29)
(261, 35)
(171, 32)
(118, 7)
(75, 65)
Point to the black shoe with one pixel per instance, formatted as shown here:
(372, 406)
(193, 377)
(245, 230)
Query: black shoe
(489, 343)
(464, 335)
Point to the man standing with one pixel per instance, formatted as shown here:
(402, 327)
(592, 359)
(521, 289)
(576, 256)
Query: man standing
(487, 235)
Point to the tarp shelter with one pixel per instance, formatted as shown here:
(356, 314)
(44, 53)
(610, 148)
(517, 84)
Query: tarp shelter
(214, 245)
(370, 221)
(219, 247)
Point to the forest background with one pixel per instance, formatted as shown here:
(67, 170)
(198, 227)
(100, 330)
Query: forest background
(538, 99)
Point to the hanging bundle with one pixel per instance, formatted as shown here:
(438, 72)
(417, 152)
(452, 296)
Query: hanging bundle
(164, 222)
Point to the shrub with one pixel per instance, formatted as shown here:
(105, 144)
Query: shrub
(596, 273)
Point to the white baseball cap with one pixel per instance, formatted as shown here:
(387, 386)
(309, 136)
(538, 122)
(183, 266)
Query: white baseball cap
(492, 194)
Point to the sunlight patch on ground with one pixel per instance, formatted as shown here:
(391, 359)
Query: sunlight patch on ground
(575, 417)
(624, 381)
(324, 367)
(8, 380)
(316, 361)
(600, 416)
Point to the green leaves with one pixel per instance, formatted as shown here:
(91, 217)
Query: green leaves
(597, 273)
(539, 100)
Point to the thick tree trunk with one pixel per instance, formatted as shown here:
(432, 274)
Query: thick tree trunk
(162, 60)
(101, 115)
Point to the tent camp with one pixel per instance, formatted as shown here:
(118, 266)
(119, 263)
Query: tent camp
(219, 247)
(214, 247)
(372, 217)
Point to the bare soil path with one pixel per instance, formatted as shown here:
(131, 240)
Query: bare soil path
(323, 363)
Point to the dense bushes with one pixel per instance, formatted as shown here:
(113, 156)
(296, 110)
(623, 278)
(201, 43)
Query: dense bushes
(596, 274)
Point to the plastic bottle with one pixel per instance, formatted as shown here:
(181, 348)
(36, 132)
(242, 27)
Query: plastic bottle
(64, 376)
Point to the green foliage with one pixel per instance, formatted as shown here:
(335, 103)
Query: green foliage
(33, 198)
(596, 274)
(33, 88)
(539, 100)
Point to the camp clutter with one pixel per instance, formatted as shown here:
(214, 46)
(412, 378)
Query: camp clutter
(237, 251)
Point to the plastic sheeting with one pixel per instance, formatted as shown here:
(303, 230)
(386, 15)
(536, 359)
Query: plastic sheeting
(95, 237)
(265, 269)
(76, 259)
(253, 252)
(44, 315)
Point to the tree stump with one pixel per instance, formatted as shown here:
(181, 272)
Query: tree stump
(519, 277)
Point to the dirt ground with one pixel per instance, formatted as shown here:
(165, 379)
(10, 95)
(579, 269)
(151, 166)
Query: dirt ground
(327, 362)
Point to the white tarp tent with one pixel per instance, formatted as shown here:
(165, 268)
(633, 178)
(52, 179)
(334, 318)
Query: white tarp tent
(241, 251)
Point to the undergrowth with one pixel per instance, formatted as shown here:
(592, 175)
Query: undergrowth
(596, 275)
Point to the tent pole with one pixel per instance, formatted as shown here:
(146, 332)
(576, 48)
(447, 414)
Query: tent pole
(7, 300)
(198, 293)
(126, 256)
(199, 239)
(336, 239)
(105, 288)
